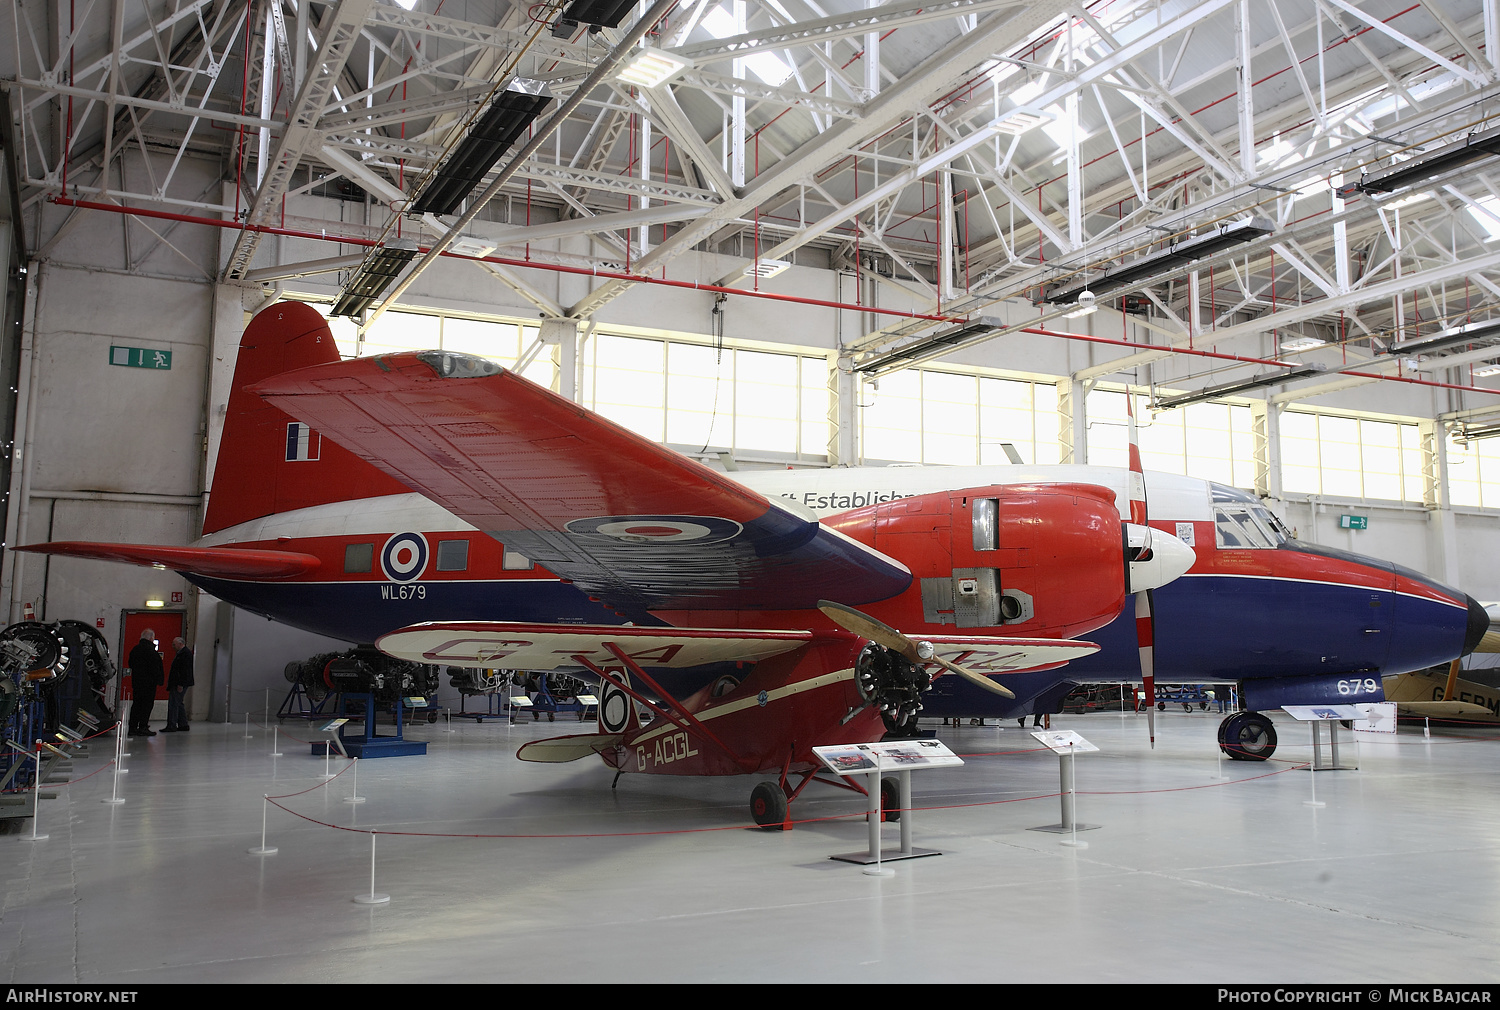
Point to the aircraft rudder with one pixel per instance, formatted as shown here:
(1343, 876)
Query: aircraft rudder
(267, 461)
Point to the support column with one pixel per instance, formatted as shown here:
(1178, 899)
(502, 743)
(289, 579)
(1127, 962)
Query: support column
(1265, 433)
(562, 336)
(843, 392)
(1441, 524)
(1072, 420)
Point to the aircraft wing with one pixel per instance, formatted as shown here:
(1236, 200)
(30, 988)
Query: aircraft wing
(989, 655)
(1443, 710)
(217, 562)
(517, 646)
(634, 524)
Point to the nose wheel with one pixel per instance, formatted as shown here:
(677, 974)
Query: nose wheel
(1247, 736)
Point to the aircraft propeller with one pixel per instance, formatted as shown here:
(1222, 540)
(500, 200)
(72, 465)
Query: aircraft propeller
(913, 652)
(1145, 618)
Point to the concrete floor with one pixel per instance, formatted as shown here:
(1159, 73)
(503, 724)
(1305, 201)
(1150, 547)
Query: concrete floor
(1190, 878)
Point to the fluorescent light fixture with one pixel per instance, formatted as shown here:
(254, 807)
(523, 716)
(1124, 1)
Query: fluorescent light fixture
(651, 67)
(472, 245)
(1240, 386)
(1470, 332)
(766, 268)
(1018, 121)
(1302, 344)
(1486, 371)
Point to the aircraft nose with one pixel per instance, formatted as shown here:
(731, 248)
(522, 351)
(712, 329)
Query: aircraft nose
(1478, 625)
(1161, 559)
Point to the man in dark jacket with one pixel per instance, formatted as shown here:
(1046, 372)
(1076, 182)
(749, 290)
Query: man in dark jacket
(145, 678)
(178, 681)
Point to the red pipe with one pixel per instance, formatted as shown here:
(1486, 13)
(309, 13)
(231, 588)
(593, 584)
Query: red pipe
(504, 261)
(719, 289)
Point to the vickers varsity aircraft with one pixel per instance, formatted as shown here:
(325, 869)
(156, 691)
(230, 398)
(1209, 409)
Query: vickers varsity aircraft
(302, 530)
(687, 569)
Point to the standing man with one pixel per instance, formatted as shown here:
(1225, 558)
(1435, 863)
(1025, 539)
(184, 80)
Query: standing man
(145, 678)
(178, 681)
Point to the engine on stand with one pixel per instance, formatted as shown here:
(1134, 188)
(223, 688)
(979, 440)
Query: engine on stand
(361, 670)
(52, 675)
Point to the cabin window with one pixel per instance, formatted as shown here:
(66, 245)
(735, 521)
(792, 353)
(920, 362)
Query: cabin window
(986, 513)
(453, 555)
(1238, 527)
(359, 557)
(514, 562)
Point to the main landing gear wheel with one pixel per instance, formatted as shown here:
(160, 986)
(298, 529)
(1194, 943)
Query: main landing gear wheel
(768, 805)
(890, 799)
(1247, 736)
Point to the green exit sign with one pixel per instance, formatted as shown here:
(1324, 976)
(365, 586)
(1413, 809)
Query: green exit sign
(140, 357)
(1354, 522)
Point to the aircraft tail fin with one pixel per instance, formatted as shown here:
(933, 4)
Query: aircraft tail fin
(618, 713)
(267, 461)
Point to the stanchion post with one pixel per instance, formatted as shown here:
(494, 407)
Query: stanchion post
(275, 741)
(114, 792)
(264, 850)
(372, 898)
(36, 800)
(354, 796)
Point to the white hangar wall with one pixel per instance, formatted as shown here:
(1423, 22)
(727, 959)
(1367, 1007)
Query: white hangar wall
(123, 454)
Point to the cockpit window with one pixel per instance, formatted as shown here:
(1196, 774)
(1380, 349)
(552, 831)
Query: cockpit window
(1247, 526)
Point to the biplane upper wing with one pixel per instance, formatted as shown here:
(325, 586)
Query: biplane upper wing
(636, 525)
(520, 646)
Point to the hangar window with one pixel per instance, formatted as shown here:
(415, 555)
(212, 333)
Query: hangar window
(1211, 441)
(1350, 457)
(922, 415)
(359, 557)
(453, 555)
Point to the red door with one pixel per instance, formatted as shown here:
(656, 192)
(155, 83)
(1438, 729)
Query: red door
(167, 624)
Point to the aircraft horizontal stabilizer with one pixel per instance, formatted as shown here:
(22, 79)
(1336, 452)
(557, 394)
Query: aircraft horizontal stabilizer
(216, 562)
(516, 646)
(562, 749)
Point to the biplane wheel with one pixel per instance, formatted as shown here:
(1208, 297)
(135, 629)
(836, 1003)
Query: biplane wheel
(768, 805)
(890, 799)
(1247, 736)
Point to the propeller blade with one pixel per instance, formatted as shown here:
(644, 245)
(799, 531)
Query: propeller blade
(1145, 637)
(977, 679)
(1145, 619)
(865, 626)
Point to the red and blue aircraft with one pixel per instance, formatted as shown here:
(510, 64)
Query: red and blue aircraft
(354, 500)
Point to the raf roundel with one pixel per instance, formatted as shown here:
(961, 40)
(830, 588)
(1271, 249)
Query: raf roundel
(404, 557)
(658, 529)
